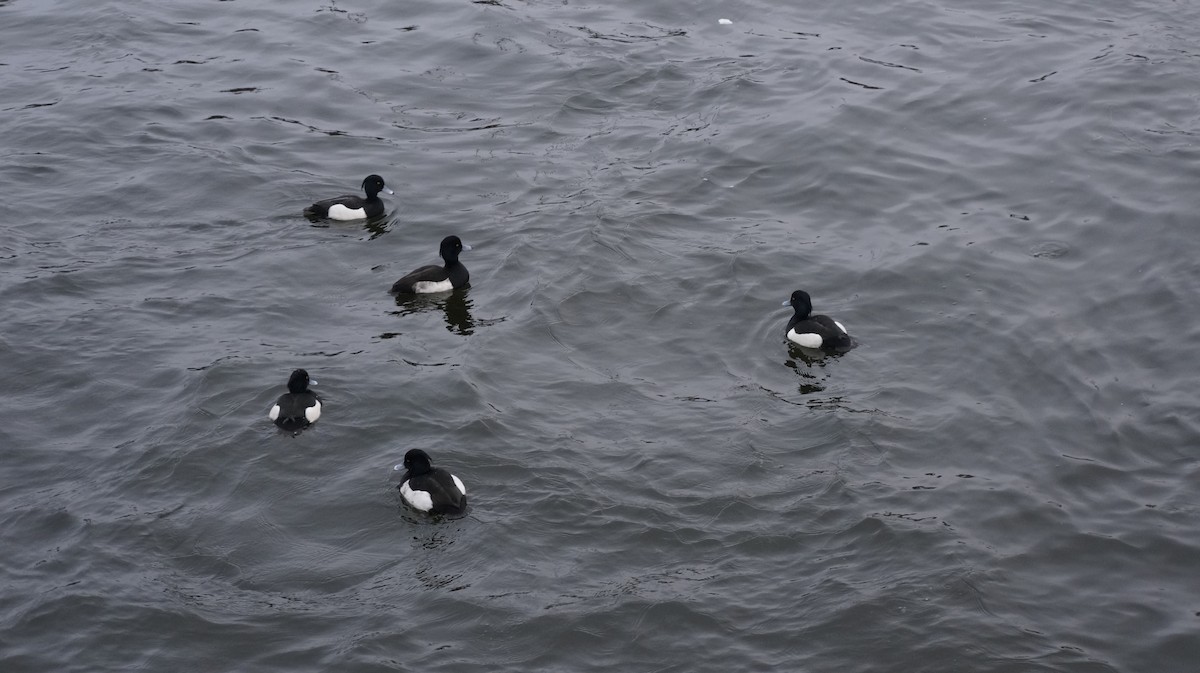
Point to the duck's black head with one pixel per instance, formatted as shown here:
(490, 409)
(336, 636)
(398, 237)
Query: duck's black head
(416, 462)
(298, 382)
(802, 303)
(372, 185)
(450, 247)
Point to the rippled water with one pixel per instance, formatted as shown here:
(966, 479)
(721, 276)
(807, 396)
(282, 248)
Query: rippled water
(996, 198)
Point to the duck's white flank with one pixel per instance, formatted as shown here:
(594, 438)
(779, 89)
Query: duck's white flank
(339, 212)
(807, 339)
(429, 287)
(312, 413)
(419, 499)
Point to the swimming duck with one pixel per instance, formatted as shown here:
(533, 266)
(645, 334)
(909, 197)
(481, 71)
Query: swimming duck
(351, 206)
(430, 489)
(299, 406)
(434, 278)
(814, 331)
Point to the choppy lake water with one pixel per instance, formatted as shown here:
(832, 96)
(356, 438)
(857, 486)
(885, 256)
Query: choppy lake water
(998, 199)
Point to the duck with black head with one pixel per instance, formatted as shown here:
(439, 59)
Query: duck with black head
(433, 278)
(430, 489)
(814, 331)
(352, 206)
(299, 407)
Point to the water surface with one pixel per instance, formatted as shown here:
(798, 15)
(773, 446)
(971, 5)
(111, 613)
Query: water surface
(996, 199)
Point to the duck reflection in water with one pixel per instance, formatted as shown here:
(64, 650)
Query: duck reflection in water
(455, 304)
(810, 364)
(807, 363)
(377, 226)
(374, 226)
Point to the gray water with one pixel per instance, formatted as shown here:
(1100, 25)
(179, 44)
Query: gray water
(997, 199)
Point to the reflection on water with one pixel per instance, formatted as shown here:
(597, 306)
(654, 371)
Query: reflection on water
(377, 226)
(455, 305)
(458, 314)
(810, 363)
(374, 226)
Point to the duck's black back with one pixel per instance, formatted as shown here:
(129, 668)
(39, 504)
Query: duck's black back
(832, 336)
(292, 407)
(442, 490)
